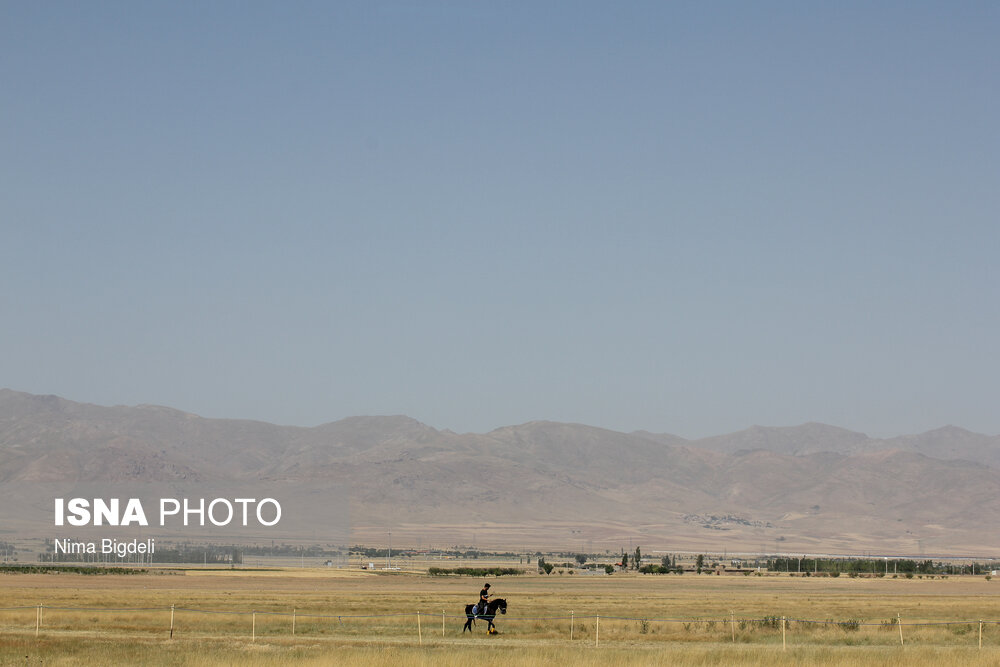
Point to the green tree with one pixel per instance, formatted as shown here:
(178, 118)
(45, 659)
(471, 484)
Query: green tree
(609, 569)
(699, 562)
(581, 559)
(637, 561)
(624, 561)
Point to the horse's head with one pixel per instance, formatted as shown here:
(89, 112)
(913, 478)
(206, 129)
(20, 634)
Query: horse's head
(502, 605)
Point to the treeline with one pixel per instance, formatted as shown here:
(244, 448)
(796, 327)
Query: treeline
(660, 569)
(372, 552)
(474, 571)
(288, 550)
(72, 569)
(206, 555)
(874, 566)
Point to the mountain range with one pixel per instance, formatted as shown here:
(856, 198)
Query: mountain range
(812, 488)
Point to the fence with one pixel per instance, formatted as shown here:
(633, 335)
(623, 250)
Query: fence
(175, 622)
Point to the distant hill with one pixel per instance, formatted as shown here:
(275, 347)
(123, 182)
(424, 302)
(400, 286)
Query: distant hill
(947, 443)
(951, 442)
(809, 438)
(806, 488)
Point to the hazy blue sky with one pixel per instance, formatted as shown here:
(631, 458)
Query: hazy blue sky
(680, 217)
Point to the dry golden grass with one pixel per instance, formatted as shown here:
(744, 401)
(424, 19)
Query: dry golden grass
(352, 617)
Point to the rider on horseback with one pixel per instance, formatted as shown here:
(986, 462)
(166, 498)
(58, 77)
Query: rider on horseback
(484, 609)
(484, 596)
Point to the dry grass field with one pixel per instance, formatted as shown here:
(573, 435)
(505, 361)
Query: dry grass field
(365, 618)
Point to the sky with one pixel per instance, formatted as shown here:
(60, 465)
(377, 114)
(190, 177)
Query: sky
(682, 217)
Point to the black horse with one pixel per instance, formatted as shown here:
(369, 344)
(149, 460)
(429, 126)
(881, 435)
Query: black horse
(490, 613)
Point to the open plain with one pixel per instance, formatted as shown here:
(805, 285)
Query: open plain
(347, 616)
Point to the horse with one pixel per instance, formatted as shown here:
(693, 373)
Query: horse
(491, 612)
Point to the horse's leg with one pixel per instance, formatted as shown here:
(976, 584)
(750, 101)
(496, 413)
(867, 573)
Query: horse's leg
(468, 625)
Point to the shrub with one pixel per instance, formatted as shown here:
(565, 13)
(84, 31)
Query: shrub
(850, 625)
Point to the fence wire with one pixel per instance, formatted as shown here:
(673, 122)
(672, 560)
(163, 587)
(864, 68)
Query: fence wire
(582, 627)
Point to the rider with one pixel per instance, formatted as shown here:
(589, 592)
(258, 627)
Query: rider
(484, 596)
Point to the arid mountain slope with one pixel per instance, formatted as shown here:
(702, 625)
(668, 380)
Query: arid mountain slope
(807, 488)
